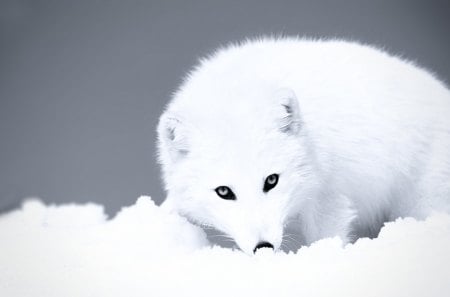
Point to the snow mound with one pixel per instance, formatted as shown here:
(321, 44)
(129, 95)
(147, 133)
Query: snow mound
(74, 250)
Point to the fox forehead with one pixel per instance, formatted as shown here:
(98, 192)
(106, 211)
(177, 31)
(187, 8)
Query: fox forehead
(243, 170)
(240, 158)
(228, 147)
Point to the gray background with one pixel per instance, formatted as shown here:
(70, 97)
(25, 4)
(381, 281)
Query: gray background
(82, 83)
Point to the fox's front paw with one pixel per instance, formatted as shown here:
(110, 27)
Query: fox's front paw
(337, 219)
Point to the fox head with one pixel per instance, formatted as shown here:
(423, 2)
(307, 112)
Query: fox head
(234, 148)
(240, 166)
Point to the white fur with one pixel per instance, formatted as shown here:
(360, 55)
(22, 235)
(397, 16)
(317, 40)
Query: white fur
(358, 137)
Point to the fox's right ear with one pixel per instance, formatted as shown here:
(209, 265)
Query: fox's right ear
(172, 135)
(290, 120)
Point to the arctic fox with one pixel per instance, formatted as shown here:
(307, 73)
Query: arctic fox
(333, 135)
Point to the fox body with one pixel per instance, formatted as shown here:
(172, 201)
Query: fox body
(332, 136)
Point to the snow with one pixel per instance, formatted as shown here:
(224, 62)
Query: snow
(74, 250)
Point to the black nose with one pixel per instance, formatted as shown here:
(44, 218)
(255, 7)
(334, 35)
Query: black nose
(263, 244)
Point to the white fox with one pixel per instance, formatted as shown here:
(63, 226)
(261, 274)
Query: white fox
(336, 136)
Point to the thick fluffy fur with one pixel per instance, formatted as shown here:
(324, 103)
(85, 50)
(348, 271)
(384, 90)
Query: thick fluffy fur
(357, 136)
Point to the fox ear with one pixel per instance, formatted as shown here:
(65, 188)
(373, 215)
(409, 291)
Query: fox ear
(172, 135)
(290, 119)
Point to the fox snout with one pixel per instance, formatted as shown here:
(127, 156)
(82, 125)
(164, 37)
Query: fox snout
(263, 244)
(251, 245)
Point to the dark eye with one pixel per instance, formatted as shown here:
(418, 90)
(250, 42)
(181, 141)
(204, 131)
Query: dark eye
(225, 193)
(270, 182)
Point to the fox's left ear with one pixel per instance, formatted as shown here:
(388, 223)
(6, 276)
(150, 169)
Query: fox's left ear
(290, 119)
(172, 136)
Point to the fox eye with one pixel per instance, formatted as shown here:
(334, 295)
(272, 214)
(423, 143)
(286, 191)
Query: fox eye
(225, 192)
(270, 182)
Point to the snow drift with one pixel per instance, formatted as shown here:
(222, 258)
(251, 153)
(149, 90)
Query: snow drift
(74, 250)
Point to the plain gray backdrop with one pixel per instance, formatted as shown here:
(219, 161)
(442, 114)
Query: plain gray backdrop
(82, 83)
